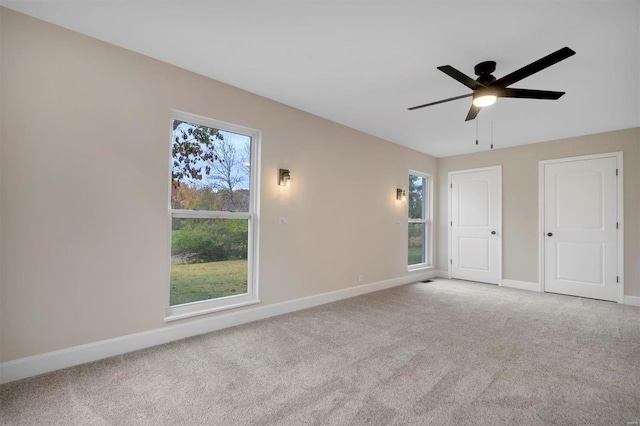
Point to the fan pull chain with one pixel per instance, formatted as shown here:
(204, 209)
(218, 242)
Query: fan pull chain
(491, 130)
(493, 112)
(476, 120)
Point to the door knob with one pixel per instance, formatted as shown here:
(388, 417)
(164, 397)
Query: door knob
(549, 234)
(493, 232)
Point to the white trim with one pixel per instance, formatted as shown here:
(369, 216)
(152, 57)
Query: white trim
(500, 224)
(427, 221)
(421, 275)
(541, 226)
(442, 274)
(620, 214)
(206, 214)
(449, 218)
(51, 361)
(632, 300)
(203, 307)
(521, 285)
(213, 123)
(620, 181)
(420, 267)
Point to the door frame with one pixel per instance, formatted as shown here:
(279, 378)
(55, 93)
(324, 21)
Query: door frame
(498, 168)
(619, 214)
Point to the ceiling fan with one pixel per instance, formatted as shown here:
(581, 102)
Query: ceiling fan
(486, 89)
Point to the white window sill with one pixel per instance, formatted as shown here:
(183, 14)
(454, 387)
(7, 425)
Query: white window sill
(415, 268)
(179, 312)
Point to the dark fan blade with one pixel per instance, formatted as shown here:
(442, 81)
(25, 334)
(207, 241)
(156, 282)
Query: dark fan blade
(473, 111)
(534, 67)
(439, 102)
(529, 94)
(462, 78)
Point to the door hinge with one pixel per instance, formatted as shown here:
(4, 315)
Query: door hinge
(616, 225)
(451, 185)
(451, 223)
(616, 172)
(617, 279)
(451, 261)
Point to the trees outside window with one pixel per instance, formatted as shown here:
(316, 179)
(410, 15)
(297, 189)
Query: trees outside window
(419, 226)
(213, 218)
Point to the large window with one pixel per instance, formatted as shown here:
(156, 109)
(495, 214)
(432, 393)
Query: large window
(419, 208)
(212, 216)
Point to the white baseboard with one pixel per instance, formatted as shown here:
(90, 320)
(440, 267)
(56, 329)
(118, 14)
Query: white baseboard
(521, 285)
(56, 360)
(524, 285)
(442, 274)
(632, 300)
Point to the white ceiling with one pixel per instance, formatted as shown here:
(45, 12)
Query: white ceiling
(362, 63)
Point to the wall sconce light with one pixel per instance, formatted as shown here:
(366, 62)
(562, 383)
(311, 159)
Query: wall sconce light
(401, 194)
(284, 177)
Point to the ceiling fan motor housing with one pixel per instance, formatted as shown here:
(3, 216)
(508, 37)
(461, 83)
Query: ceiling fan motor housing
(486, 67)
(483, 70)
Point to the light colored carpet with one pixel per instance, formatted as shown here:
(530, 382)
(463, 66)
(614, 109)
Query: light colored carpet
(446, 352)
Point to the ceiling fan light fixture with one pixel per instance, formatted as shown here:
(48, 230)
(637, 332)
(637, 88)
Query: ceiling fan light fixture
(484, 100)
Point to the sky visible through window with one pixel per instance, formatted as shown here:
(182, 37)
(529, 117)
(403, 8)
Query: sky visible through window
(211, 169)
(238, 154)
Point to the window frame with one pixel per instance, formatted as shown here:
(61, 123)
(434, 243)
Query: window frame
(427, 209)
(201, 307)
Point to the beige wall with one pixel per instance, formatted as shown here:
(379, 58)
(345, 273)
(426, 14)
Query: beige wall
(84, 195)
(520, 199)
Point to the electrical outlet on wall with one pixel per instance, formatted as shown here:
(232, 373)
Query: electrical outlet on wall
(360, 278)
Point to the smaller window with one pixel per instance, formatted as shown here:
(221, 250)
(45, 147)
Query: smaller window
(419, 204)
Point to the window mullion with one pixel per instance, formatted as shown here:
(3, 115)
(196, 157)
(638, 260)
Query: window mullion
(209, 214)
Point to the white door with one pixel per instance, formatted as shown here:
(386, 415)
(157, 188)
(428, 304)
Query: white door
(475, 225)
(580, 221)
